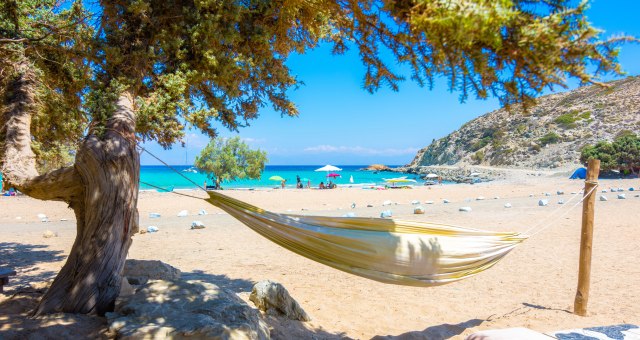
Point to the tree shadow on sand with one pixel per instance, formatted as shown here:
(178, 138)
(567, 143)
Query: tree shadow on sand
(24, 259)
(439, 332)
(220, 280)
(280, 326)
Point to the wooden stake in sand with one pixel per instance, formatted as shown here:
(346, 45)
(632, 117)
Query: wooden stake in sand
(586, 239)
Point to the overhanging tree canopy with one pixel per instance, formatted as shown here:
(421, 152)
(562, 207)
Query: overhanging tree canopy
(102, 77)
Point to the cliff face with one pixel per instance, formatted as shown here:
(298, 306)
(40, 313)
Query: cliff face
(549, 135)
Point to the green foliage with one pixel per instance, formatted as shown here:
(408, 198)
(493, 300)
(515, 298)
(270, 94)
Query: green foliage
(53, 156)
(230, 159)
(51, 38)
(585, 115)
(570, 120)
(549, 138)
(480, 144)
(489, 135)
(478, 157)
(623, 154)
(213, 63)
(567, 120)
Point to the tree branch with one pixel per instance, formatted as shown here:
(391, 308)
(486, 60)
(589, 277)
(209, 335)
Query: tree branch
(17, 161)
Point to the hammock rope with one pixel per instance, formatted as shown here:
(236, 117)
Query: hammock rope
(386, 250)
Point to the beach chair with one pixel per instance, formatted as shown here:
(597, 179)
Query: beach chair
(4, 276)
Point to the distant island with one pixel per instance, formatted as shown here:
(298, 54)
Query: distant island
(376, 167)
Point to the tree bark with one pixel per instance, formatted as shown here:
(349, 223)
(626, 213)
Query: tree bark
(107, 217)
(101, 187)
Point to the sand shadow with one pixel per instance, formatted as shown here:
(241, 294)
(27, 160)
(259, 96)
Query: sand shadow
(439, 332)
(220, 280)
(284, 329)
(280, 326)
(24, 259)
(530, 305)
(17, 323)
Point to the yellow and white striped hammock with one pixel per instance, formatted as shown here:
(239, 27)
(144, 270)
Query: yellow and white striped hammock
(385, 250)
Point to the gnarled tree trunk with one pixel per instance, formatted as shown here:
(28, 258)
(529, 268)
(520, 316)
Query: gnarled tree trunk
(101, 187)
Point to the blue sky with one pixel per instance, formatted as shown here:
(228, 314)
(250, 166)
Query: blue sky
(340, 123)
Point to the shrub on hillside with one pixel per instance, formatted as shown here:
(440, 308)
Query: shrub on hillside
(549, 138)
(622, 154)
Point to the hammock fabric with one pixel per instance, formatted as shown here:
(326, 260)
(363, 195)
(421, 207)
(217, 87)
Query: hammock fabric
(390, 251)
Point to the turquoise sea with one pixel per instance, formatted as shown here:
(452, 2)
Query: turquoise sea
(164, 177)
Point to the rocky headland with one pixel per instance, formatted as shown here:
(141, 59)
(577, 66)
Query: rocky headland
(548, 135)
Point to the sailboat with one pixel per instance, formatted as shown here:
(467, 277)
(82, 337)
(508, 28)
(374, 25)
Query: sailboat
(186, 158)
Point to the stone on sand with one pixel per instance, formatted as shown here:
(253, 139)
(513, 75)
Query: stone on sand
(49, 234)
(465, 209)
(542, 203)
(197, 225)
(174, 309)
(603, 198)
(271, 297)
(507, 205)
(150, 269)
(419, 210)
(183, 213)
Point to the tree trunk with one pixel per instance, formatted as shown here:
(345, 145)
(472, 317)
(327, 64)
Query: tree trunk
(107, 217)
(101, 188)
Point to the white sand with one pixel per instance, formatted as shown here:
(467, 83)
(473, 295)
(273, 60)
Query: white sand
(532, 287)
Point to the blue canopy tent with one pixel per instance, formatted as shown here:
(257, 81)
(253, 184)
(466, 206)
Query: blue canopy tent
(580, 173)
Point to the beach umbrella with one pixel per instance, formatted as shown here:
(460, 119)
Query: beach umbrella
(431, 176)
(328, 168)
(333, 175)
(276, 178)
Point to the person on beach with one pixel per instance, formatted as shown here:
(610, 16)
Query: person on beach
(282, 183)
(309, 184)
(322, 185)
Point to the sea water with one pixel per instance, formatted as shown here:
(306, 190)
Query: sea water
(164, 177)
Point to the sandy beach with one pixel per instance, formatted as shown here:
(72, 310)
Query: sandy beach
(532, 287)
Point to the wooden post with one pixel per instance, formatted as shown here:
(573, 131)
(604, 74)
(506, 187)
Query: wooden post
(586, 239)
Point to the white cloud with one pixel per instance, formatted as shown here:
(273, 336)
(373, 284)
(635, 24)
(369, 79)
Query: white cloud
(360, 150)
(253, 140)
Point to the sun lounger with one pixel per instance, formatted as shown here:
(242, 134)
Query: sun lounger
(614, 332)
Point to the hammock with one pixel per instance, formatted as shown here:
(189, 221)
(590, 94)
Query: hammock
(390, 251)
